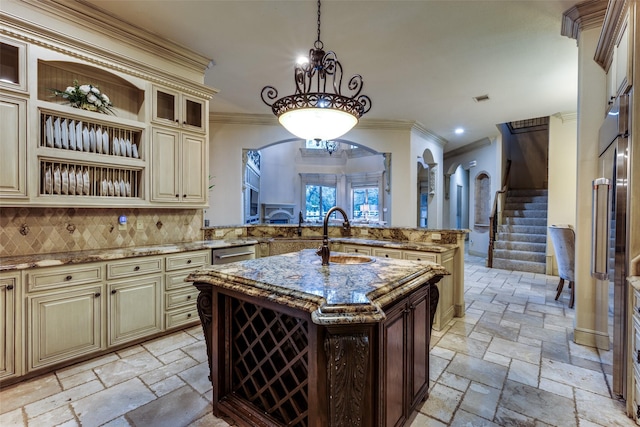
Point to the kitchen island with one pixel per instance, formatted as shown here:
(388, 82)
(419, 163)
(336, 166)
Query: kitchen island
(292, 342)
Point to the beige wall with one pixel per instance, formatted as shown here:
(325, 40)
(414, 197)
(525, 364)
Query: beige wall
(562, 176)
(591, 324)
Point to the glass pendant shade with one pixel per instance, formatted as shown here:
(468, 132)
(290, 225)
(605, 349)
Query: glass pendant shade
(317, 123)
(312, 112)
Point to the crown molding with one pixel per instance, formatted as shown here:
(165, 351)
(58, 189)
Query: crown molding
(612, 29)
(566, 117)
(34, 33)
(467, 148)
(583, 16)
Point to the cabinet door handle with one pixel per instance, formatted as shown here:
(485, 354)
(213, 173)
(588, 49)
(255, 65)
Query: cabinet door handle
(68, 278)
(184, 196)
(386, 255)
(97, 294)
(188, 261)
(189, 297)
(189, 315)
(113, 291)
(177, 195)
(136, 268)
(9, 287)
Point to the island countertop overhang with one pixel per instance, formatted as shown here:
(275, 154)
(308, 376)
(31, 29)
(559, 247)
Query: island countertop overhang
(334, 294)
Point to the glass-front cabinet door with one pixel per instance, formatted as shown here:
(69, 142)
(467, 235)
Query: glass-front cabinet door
(172, 108)
(13, 65)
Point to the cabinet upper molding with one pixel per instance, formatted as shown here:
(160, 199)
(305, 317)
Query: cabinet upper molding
(31, 32)
(612, 29)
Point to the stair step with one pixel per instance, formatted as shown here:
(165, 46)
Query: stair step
(520, 246)
(522, 229)
(525, 221)
(522, 237)
(528, 199)
(524, 206)
(519, 255)
(527, 192)
(529, 213)
(513, 265)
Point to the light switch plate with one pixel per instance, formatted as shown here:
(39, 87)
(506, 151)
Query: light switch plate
(364, 232)
(219, 233)
(436, 236)
(139, 225)
(238, 231)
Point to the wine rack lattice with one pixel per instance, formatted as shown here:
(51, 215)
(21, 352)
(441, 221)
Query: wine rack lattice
(270, 356)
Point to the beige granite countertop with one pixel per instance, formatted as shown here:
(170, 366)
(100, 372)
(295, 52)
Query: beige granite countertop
(77, 257)
(333, 294)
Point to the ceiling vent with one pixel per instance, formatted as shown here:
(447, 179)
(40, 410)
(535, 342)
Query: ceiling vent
(481, 98)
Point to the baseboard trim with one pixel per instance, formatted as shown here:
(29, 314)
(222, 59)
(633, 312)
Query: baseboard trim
(591, 338)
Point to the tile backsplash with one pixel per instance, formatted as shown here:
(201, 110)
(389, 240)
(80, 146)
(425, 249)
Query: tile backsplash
(27, 231)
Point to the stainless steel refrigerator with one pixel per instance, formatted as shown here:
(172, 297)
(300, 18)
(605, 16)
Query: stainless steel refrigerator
(611, 230)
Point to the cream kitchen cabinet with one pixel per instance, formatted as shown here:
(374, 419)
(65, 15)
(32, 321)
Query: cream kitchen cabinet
(355, 249)
(134, 309)
(180, 296)
(65, 313)
(13, 74)
(172, 108)
(178, 167)
(10, 325)
(13, 144)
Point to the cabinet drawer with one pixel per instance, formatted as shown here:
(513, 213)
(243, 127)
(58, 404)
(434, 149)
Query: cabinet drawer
(181, 318)
(180, 298)
(354, 249)
(387, 253)
(187, 260)
(420, 256)
(227, 255)
(58, 277)
(176, 280)
(134, 267)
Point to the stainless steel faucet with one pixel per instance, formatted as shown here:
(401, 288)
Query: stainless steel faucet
(324, 250)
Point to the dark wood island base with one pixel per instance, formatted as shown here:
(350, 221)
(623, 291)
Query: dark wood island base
(282, 355)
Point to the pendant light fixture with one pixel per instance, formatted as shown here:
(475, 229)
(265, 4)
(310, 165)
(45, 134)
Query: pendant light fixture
(312, 112)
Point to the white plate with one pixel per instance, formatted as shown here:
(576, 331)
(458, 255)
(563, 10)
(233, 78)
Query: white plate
(110, 186)
(85, 183)
(65, 138)
(116, 146)
(79, 181)
(116, 189)
(128, 148)
(105, 142)
(123, 147)
(134, 151)
(85, 139)
(57, 181)
(72, 181)
(128, 187)
(49, 132)
(79, 136)
(105, 188)
(57, 141)
(72, 135)
(48, 181)
(65, 181)
(99, 141)
(92, 138)
(123, 192)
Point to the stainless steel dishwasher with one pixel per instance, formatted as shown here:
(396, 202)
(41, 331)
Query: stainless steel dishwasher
(232, 254)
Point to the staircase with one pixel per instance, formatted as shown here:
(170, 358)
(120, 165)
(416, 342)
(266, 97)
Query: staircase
(521, 240)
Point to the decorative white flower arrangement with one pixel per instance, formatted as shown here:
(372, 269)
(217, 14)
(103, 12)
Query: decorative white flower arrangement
(86, 97)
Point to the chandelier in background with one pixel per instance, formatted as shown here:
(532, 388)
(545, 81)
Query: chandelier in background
(329, 146)
(312, 112)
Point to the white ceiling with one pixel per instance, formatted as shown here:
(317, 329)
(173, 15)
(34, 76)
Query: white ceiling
(421, 60)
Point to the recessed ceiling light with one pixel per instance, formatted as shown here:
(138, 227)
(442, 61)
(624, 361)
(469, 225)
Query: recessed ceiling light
(459, 131)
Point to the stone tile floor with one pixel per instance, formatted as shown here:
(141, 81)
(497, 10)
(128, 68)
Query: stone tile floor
(510, 361)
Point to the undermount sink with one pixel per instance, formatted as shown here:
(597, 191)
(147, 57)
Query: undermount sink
(349, 259)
